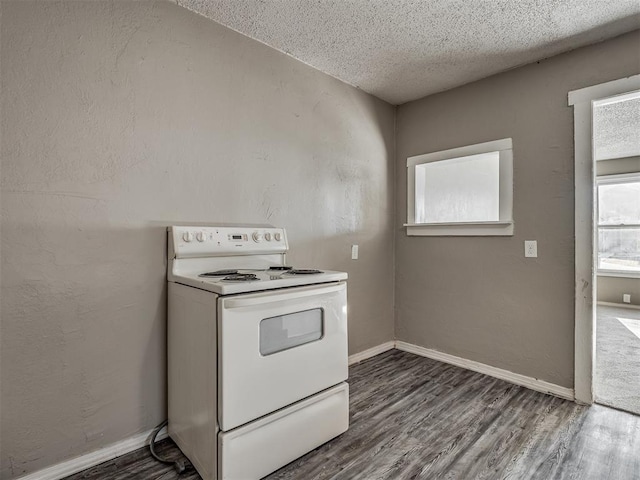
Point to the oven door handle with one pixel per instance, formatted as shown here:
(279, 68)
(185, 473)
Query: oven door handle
(262, 299)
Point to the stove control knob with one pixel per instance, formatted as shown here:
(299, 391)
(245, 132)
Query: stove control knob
(267, 236)
(277, 236)
(257, 236)
(187, 236)
(201, 236)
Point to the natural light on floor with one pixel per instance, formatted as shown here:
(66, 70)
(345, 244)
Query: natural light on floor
(633, 325)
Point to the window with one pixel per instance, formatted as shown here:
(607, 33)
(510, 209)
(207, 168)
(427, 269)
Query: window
(619, 225)
(291, 330)
(462, 191)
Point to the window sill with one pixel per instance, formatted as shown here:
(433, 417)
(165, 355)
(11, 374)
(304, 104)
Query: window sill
(617, 273)
(470, 229)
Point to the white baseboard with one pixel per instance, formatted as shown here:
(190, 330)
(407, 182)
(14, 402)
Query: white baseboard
(518, 379)
(371, 352)
(78, 464)
(619, 305)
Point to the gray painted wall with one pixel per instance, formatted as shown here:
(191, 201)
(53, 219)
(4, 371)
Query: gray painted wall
(611, 289)
(479, 298)
(618, 165)
(120, 118)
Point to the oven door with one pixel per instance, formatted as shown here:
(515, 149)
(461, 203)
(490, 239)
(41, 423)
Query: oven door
(278, 347)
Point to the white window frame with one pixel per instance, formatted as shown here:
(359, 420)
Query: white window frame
(502, 227)
(614, 180)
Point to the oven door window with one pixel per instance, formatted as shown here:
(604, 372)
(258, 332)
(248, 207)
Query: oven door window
(292, 330)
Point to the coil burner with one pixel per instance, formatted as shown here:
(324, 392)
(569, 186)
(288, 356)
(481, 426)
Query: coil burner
(219, 273)
(302, 271)
(241, 277)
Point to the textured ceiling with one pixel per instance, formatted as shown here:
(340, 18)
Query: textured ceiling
(401, 50)
(616, 127)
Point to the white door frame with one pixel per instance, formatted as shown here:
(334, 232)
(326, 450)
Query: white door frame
(585, 278)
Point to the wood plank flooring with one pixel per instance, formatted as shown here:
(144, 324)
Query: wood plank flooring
(416, 418)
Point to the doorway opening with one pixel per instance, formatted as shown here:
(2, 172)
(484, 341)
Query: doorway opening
(616, 153)
(607, 243)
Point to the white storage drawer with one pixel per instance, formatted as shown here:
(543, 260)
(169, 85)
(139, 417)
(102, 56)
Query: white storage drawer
(261, 447)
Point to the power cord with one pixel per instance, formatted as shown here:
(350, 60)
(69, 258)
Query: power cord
(178, 465)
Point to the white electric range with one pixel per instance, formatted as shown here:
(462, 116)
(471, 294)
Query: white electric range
(257, 351)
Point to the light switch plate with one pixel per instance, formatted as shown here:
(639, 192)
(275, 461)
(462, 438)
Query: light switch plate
(354, 252)
(531, 248)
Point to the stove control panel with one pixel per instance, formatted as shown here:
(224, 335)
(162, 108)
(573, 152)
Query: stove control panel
(204, 241)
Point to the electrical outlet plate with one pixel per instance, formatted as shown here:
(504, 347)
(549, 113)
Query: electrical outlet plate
(530, 248)
(626, 297)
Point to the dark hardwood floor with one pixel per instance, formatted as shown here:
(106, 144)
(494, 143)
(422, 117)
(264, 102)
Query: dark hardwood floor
(416, 418)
